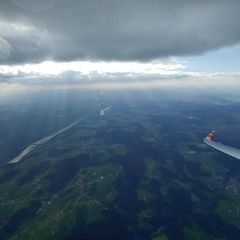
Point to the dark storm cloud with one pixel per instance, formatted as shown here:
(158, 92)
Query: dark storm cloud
(65, 30)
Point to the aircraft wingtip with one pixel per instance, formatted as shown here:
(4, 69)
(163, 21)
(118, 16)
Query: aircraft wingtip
(211, 134)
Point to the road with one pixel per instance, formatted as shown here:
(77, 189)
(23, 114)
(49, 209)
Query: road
(102, 111)
(40, 142)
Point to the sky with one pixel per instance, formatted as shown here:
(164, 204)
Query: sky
(53, 41)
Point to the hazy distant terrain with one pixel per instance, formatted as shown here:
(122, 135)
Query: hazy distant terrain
(138, 171)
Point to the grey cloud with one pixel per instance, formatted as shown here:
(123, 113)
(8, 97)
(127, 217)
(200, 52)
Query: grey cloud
(138, 30)
(34, 5)
(5, 49)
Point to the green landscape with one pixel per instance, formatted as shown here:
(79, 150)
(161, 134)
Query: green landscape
(127, 174)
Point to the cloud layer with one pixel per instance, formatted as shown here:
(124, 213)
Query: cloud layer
(126, 30)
